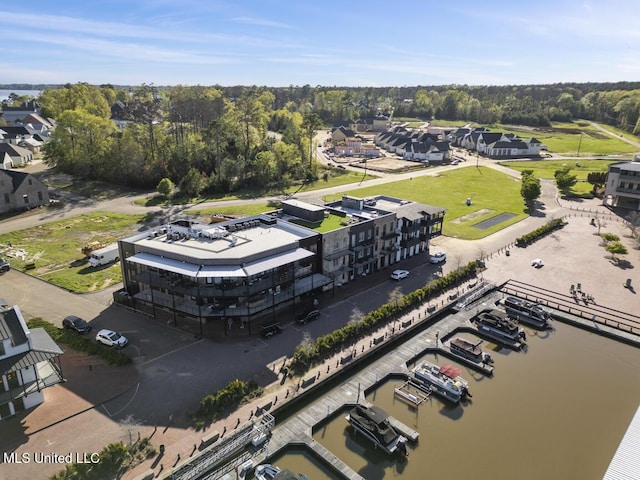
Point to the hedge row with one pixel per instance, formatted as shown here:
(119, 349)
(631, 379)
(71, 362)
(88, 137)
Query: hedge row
(540, 232)
(309, 353)
(218, 405)
(111, 462)
(81, 343)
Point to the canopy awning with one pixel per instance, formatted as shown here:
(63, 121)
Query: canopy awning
(274, 261)
(162, 263)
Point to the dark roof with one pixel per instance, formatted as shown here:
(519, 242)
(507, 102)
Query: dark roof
(13, 150)
(490, 137)
(507, 144)
(415, 211)
(18, 177)
(11, 327)
(19, 130)
(43, 349)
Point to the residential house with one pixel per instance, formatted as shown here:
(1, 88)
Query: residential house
(19, 156)
(21, 191)
(29, 363)
(340, 134)
(623, 185)
(507, 149)
(15, 115)
(5, 161)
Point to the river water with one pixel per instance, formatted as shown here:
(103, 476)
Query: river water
(557, 410)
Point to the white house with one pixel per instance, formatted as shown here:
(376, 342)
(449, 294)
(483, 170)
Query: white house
(28, 363)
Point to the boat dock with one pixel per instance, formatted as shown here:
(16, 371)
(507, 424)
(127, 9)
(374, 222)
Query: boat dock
(502, 341)
(412, 392)
(404, 430)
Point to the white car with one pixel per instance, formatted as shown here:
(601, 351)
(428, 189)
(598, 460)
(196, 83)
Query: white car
(538, 263)
(438, 257)
(399, 274)
(111, 338)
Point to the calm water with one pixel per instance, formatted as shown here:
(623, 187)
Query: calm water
(555, 411)
(5, 93)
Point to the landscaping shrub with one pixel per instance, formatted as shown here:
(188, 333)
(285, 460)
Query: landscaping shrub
(540, 232)
(114, 460)
(81, 343)
(215, 406)
(307, 355)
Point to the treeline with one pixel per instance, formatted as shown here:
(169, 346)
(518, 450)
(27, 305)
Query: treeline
(195, 136)
(228, 138)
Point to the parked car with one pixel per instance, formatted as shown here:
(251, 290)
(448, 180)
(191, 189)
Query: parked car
(455, 162)
(4, 266)
(399, 274)
(111, 338)
(76, 324)
(303, 318)
(438, 257)
(269, 331)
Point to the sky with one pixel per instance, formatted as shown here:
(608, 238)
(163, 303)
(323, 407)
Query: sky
(330, 43)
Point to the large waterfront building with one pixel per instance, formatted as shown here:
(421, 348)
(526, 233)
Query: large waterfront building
(242, 274)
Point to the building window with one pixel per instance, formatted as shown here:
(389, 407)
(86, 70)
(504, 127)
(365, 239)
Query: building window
(26, 199)
(6, 198)
(39, 196)
(361, 237)
(30, 182)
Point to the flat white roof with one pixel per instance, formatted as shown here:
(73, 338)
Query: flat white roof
(175, 266)
(274, 261)
(237, 247)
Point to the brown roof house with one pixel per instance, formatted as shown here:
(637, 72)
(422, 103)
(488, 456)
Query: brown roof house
(21, 191)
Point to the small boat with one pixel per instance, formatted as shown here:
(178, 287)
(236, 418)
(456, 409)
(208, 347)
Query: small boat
(497, 324)
(470, 351)
(525, 311)
(373, 423)
(444, 381)
(267, 471)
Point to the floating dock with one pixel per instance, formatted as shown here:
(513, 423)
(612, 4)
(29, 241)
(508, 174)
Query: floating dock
(403, 429)
(412, 392)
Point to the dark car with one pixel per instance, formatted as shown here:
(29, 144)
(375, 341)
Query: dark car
(308, 316)
(76, 324)
(4, 266)
(269, 331)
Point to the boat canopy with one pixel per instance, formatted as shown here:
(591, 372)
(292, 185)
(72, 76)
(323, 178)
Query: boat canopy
(450, 371)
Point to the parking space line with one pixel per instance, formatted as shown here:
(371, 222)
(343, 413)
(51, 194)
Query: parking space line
(171, 352)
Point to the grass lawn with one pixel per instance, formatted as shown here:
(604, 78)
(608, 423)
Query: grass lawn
(330, 223)
(492, 193)
(571, 138)
(55, 249)
(244, 210)
(546, 169)
(334, 178)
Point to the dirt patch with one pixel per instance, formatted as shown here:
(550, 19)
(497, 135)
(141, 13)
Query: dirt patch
(471, 216)
(385, 164)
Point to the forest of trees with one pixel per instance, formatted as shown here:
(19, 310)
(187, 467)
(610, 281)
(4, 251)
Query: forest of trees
(221, 139)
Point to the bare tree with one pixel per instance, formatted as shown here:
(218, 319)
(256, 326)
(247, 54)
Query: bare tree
(130, 425)
(633, 222)
(395, 296)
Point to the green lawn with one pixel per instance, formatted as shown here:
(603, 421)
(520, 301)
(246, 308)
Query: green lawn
(55, 249)
(330, 223)
(573, 138)
(244, 210)
(547, 168)
(334, 178)
(492, 193)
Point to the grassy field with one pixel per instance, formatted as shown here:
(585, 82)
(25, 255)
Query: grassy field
(55, 249)
(579, 168)
(491, 192)
(573, 139)
(334, 178)
(244, 210)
